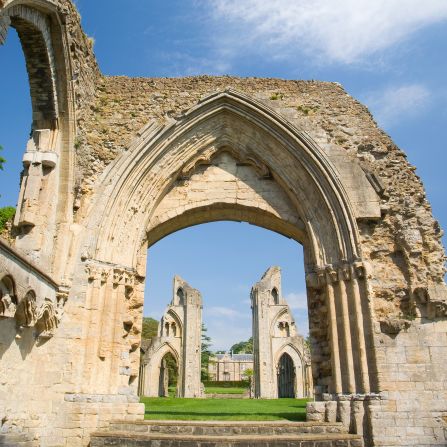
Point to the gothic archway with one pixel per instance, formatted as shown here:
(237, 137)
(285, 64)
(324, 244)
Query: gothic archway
(48, 158)
(286, 377)
(227, 140)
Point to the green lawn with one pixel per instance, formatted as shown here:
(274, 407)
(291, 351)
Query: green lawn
(224, 390)
(169, 408)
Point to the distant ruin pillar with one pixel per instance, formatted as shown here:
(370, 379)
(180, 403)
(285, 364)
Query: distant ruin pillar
(275, 335)
(179, 334)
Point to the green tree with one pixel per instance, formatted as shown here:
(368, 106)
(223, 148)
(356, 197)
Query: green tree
(2, 160)
(307, 343)
(243, 347)
(248, 375)
(206, 353)
(172, 367)
(6, 215)
(150, 328)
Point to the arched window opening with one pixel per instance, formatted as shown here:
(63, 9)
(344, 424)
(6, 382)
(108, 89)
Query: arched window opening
(286, 377)
(284, 329)
(181, 296)
(275, 295)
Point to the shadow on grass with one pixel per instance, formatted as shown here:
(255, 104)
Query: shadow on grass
(298, 416)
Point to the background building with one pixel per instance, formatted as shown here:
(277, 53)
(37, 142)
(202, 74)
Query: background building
(229, 367)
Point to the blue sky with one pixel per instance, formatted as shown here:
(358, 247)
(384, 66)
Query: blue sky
(389, 54)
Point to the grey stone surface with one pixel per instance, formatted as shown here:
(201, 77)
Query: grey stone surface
(115, 164)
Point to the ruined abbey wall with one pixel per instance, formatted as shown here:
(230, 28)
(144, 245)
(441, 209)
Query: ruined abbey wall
(131, 160)
(180, 334)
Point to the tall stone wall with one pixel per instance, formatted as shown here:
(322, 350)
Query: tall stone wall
(275, 334)
(179, 333)
(373, 256)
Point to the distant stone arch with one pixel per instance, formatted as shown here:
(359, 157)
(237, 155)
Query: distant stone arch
(275, 335)
(302, 380)
(179, 333)
(286, 376)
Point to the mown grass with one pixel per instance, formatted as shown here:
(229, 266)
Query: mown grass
(169, 408)
(224, 390)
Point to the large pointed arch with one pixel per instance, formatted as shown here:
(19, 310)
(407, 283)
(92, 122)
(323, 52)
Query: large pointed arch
(138, 180)
(41, 28)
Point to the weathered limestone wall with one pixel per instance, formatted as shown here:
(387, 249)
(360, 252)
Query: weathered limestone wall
(339, 124)
(275, 334)
(413, 384)
(84, 68)
(179, 333)
(373, 254)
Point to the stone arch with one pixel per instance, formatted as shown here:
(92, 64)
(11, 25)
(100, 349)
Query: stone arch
(152, 368)
(33, 28)
(146, 194)
(48, 159)
(315, 174)
(62, 73)
(301, 369)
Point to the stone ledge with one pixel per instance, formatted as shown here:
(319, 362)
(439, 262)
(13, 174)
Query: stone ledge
(129, 439)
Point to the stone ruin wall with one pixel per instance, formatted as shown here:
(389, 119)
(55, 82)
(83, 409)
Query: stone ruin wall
(407, 237)
(403, 250)
(84, 68)
(406, 267)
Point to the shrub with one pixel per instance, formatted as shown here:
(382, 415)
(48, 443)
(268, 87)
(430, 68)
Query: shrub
(222, 384)
(6, 214)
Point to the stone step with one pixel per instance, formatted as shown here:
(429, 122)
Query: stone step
(128, 439)
(227, 428)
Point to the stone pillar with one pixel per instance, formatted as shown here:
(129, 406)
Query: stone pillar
(37, 191)
(192, 344)
(263, 361)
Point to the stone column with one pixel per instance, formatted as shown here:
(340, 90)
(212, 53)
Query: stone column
(192, 344)
(263, 361)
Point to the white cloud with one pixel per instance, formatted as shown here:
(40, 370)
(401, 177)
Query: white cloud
(396, 103)
(344, 31)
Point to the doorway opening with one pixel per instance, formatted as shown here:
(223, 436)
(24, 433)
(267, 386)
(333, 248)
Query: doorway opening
(286, 376)
(168, 376)
(224, 262)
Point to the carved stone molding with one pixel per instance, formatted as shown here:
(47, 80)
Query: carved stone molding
(332, 274)
(392, 326)
(48, 319)
(26, 313)
(207, 156)
(117, 274)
